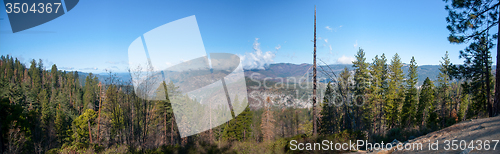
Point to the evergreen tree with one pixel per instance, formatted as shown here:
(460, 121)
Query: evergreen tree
(410, 103)
(164, 109)
(477, 70)
(36, 79)
(62, 119)
(328, 121)
(443, 87)
(344, 87)
(361, 86)
(55, 76)
(425, 102)
(112, 111)
(81, 126)
(473, 20)
(395, 92)
(238, 129)
(89, 95)
(378, 91)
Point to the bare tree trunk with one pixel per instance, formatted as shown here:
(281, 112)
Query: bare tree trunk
(172, 132)
(165, 125)
(90, 133)
(315, 127)
(488, 89)
(497, 79)
(443, 111)
(99, 116)
(1, 138)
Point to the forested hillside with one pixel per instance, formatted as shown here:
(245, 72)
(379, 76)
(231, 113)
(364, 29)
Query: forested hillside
(49, 110)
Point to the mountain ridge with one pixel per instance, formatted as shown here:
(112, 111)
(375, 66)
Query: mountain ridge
(290, 70)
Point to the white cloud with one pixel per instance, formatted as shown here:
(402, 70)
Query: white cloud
(278, 47)
(331, 49)
(345, 60)
(328, 28)
(326, 40)
(356, 44)
(257, 59)
(90, 68)
(333, 29)
(66, 68)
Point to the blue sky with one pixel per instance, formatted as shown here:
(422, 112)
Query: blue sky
(95, 35)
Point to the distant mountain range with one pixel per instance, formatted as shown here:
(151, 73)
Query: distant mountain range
(288, 70)
(294, 76)
(284, 70)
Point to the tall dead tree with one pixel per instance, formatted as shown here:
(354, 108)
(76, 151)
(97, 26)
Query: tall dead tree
(99, 116)
(315, 127)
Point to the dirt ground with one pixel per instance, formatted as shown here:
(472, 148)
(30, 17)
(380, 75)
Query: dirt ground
(476, 129)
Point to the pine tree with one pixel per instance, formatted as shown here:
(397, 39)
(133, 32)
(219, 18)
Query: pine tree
(36, 80)
(410, 103)
(426, 100)
(55, 76)
(477, 70)
(62, 118)
(113, 112)
(238, 128)
(344, 87)
(328, 121)
(443, 87)
(395, 92)
(378, 91)
(361, 86)
(473, 20)
(81, 126)
(89, 95)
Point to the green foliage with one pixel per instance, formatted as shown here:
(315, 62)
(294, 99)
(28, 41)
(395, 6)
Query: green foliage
(361, 106)
(52, 111)
(344, 95)
(410, 104)
(90, 93)
(477, 70)
(443, 87)
(112, 110)
(328, 121)
(395, 92)
(469, 19)
(81, 126)
(426, 102)
(239, 128)
(12, 113)
(464, 104)
(377, 90)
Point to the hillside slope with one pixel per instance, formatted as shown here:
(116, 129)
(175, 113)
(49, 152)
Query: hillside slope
(476, 129)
